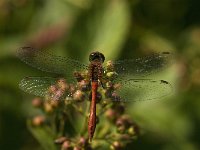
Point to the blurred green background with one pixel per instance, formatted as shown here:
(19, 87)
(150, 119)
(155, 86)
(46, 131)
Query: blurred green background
(120, 29)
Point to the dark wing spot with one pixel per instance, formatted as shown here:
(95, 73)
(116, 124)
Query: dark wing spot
(163, 81)
(165, 52)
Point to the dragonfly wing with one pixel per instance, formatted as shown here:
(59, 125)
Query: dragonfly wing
(49, 63)
(50, 88)
(142, 89)
(37, 85)
(143, 66)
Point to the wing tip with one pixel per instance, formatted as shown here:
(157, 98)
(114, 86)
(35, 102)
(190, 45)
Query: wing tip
(25, 51)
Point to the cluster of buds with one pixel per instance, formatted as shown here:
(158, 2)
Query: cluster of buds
(46, 105)
(126, 128)
(78, 144)
(110, 112)
(61, 90)
(58, 90)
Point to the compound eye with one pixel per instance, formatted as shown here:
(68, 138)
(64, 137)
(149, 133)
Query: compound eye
(102, 57)
(92, 56)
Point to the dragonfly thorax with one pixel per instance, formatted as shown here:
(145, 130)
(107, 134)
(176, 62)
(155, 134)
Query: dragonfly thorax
(95, 70)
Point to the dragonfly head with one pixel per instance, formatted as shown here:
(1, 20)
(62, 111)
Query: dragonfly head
(96, 56)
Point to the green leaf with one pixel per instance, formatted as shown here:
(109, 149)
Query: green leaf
(44, 136)
(112, 29)
(102, 27)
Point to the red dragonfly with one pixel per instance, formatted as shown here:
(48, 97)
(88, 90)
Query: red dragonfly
(129, 74)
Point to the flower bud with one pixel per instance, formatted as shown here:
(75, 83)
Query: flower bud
(124, 120)
(57, 96)
(116, 146)
(110, 114)
(54, 103)
(72, 88)
(78, 96)
(104, 103)
(77, 148)
(37, 102)
(84, 85)
(123, 123)
(109, 84)
(48, 107)
(111, 75)
(131, 130)
(120, 122)
(60, 140)
(66, 145)
(38, 120)
(52, 89)
(115, 97)
(82, 141)
(121, 129)
(109, 65)
(62, 84)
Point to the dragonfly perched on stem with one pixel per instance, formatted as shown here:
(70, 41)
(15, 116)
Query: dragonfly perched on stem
(123, 79)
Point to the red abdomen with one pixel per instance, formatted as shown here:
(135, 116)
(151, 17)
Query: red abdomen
(92, 117)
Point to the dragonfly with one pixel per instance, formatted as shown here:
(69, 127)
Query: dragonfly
(129, 74)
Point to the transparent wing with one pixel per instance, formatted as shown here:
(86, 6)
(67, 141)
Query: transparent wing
(142, 89)
(38, 86)
(50, 63)
(143, 66)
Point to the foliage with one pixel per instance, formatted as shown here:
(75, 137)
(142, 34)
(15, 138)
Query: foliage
(119, 29)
